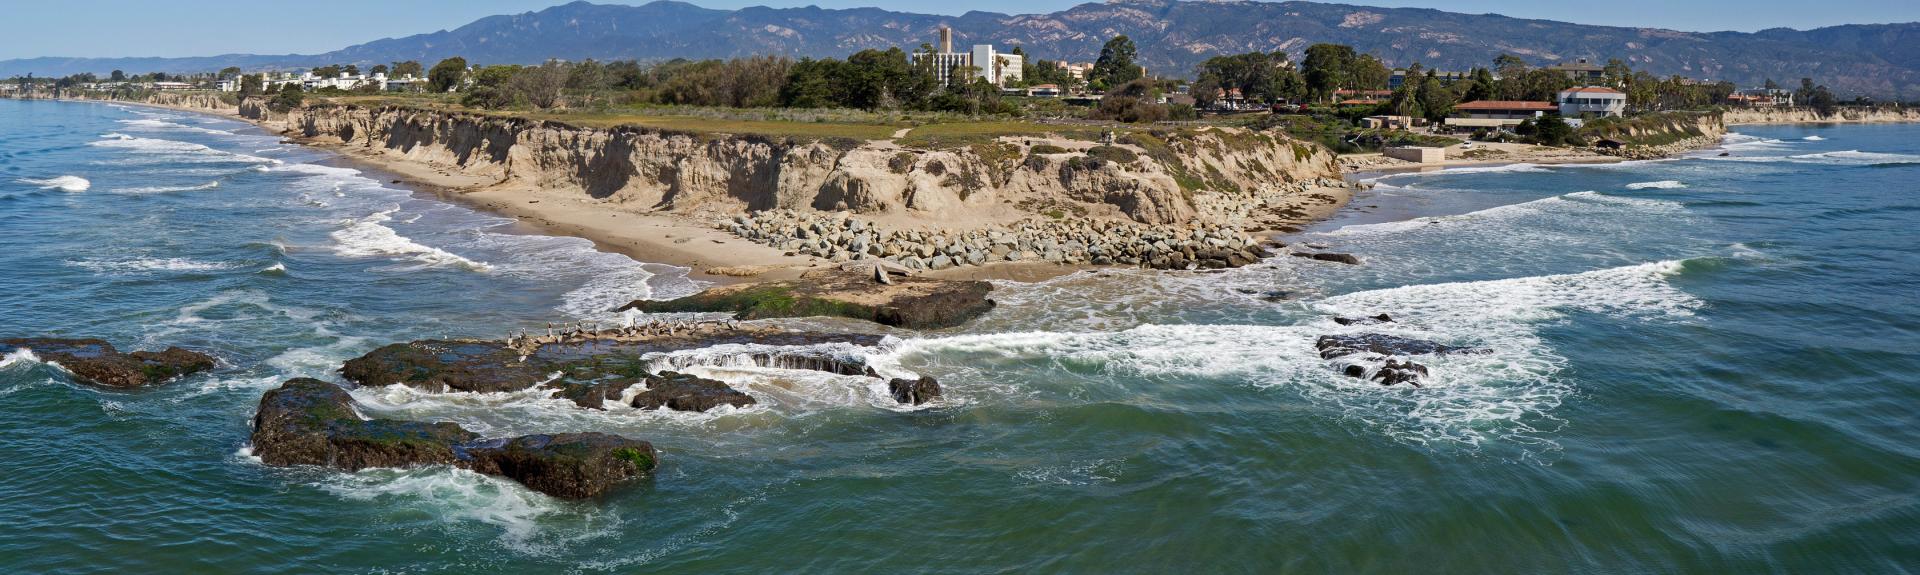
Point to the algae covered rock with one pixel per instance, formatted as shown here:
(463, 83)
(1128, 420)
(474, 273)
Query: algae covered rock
(683, 392)
(311, 422)
(910, 302)
(96, 361)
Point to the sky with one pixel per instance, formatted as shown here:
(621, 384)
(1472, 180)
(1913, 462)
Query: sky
(171, 28)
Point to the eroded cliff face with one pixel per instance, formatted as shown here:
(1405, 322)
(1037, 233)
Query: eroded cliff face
(1808, 115)
(1161, 178)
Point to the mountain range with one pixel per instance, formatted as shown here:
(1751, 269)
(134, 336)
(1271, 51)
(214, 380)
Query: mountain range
(1881, 60)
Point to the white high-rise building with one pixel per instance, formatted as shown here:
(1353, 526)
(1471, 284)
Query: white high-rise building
(982, 62)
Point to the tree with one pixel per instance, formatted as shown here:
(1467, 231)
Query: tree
(1480, 87)
(351, 70)
(1821, 100)
(229, 71)
(1368, 73)
(1552, 131)
(1116, 64)
(493, 88)
(1327, 68)
(447, 74)
(541, 85)
(378, 69)
(289, 97)
(1616, 72)
(1436, 99)
(1131, 102)
(327, 71)
(409, 68)
(1259, 76)
(250, 85)
(1772, 85)
(1509, 65)
(117, 76)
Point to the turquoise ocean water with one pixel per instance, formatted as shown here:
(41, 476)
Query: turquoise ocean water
(1698, 365)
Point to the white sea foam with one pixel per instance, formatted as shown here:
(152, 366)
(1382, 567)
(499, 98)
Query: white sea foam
(62, 183)
(1507, 394)
(367, 237)
(155, 124)
(169, 189)
(1660, 185)
(457, 495)
(1839, 158)
(1814, 139)
(21, 356)
(1573, 203)
(143, 265)
(175, 150)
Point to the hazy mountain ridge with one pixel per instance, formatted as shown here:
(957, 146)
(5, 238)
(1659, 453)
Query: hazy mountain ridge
(1880, 59)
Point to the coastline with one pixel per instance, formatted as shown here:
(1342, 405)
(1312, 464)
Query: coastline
(710, 254)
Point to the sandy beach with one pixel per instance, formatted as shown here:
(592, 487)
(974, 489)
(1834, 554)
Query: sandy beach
(692, 241)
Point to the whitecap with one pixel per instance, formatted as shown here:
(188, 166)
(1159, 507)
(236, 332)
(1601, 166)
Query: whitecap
(169, 189)
(62, 183)
(1814, 139)
(367, 237)
(1505, 395)
(19, 356)
(459, 495)
(143, 265)
(1659, 185)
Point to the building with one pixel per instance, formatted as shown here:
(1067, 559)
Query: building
(1498, 113)
(1581, 71)
(1592, 101)
(1399, 77)
(982, 62)
(1044, 91)
(1362, 97)
(1416, 154)
(1763, 98)
(172, 86)
(1387, 122)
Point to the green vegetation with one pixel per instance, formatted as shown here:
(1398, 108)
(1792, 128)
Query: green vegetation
(1114, 154)
(641, 460)
(1646, 130)
(1046, 149)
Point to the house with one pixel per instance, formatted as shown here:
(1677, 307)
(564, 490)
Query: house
(172, 86)
(1581, 71)
(981, 62)
(1498, 113)
(1762, 98)
(1387, 122)
(1592, 101)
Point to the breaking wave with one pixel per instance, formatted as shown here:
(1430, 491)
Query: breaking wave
(62, 183)
(367, 237)
(1660, 185)
(1506, 395)
(169, 189)
(142, 265)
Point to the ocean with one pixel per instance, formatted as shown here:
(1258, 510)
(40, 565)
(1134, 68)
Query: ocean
(1697, 365)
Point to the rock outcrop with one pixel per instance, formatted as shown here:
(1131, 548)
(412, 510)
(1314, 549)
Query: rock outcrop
(1372, 356)
(910, 302)
(683, 392)
(311, 422)
(914, 391)
(96, 361)
(593, 367)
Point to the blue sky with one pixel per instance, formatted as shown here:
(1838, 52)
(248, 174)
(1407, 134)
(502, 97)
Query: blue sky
(100, 28)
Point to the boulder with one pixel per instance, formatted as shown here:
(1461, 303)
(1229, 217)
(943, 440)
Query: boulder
(96, 361)
(683, 392)
(440, 366)
(914, 391)
(1329, 257)
(564, 465)
(1369, 320)
(311, 422)
(1395, 371)
(1332, 346)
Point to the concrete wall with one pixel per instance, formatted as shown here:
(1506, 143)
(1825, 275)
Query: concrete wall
(1414, 154)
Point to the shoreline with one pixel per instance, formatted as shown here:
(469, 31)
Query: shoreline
(709, 254)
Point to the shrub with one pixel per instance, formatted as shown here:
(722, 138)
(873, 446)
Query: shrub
(1047, 149)
(1114, 154)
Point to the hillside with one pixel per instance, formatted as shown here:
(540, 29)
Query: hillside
(1881, 60)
